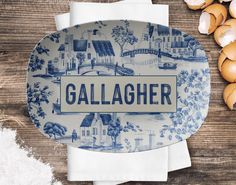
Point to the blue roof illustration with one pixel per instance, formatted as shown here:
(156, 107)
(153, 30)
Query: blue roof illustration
(163, 30)
(106, 118)
(80, 45)
(187, 38)
(103, 48)
(87, 121)
(176, 32)
(61, 48)
(179, 44)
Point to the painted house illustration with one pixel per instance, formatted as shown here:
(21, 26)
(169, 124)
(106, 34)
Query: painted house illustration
(162, 41)
(93, 129)
(146, 141)
(90, 49)
(171, 41)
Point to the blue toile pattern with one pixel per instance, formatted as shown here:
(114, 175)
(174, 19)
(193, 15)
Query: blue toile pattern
(36, 97)
(35, 63)
(54, 130)
(123, 35)
(54, 37)
(188, 115)
(122, 49)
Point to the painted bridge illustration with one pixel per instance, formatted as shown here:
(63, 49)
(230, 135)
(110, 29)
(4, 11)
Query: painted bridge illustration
(121, 70)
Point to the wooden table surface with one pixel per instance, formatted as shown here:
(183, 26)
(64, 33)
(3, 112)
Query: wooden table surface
(24, 22)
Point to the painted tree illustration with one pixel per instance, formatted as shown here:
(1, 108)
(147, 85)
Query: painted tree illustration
(54, 37)
(115, 128)
(80, 57)
(123, 35)
(100, 24)
(54, 130)
(41, 49)
(35, 63)
(36, 97)
(128, 145)
(192, 44)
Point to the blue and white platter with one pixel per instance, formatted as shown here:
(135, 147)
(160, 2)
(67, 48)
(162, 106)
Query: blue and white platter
(118, 86)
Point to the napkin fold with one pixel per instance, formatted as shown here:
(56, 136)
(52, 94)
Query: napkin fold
(88, 12)
(178, 158)
(62, 21)
(86, 165)
(106, 168)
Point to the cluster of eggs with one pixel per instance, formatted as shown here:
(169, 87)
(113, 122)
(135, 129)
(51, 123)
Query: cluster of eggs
(214, 20)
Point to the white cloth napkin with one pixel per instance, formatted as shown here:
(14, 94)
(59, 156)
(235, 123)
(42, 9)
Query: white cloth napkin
(88, 12)
(63, 20)
(96, 166)
(105, 168)
(85, 165)
(178, 158)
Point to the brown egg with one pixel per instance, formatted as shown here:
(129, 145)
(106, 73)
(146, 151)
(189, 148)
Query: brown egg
(226, 33)
(198, 4)
(212, 17)
(230, 95)
(227, 62)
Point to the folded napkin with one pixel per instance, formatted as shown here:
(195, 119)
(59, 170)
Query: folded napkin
(96, 166)
(88, 12)
(63, 20)
(178, 158)
(106, 168)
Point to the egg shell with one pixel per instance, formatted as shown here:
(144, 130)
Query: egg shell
(220, 31)
(219, 11)
(200, 6)
(229, 95)
(195, 7)
(221, 60)
(207, 3)
(232, 8)
(230, 51)
(221, 1)
(232, 23)
(231, 100)
(228, 70)
(228, 91)
(213, 25)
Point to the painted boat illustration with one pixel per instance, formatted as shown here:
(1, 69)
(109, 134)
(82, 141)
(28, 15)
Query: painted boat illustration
(57, 80)
(169, 66)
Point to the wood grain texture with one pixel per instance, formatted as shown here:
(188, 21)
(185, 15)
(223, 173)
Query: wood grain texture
(24, 22)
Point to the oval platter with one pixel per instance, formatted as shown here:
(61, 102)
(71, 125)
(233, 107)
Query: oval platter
(118, 86)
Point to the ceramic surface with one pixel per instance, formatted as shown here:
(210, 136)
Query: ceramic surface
(122, 64)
